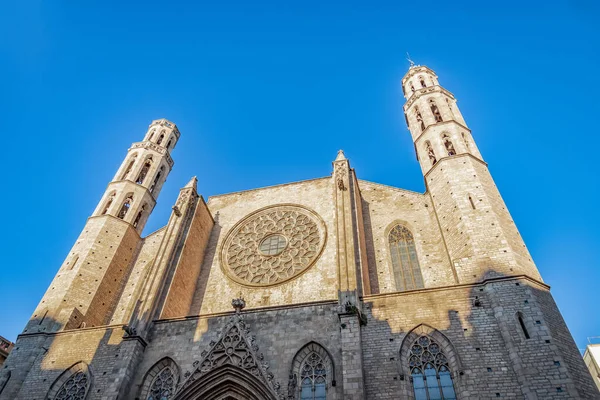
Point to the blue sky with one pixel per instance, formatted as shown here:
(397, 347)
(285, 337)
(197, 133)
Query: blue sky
(266, 92)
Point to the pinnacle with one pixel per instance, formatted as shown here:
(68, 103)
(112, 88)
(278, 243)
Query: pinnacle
(340, 155)
(193, 183)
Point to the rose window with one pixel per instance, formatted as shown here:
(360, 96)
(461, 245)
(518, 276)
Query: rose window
(273, 245)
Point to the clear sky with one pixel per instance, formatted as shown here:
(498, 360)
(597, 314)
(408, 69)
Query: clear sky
(266, 92)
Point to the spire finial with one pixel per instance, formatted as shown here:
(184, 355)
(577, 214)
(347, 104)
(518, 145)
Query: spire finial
(340, 155)
(192, 183)
(412, 63)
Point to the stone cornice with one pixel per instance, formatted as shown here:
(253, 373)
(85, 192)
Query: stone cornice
(426, 90)
(153, 146)
(137, 185)
(417, 69)
(446, 158)
(457, 286)
(439, 124)
(166, 123)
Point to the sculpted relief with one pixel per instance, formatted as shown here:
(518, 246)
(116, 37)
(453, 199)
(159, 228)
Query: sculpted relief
(273, 245)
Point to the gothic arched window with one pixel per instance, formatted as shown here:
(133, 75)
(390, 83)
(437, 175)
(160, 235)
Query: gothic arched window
(429, 370)
(151, 134)
(448, 144)
(312, 373)
(161, 137)
(419, 118)
(157, 178)
(422, 82)
(407, 271)
(466, 141)
(108, 203)
(435, 110)
(144, 171)
(139, 216)
(126, 206)
(129, 167)
(430, 152)
(160, 381)
(73, 384)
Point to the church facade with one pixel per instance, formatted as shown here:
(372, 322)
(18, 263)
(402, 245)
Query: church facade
(331, 288)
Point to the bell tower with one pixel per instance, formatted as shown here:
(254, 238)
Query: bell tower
(87, 286)
(479, 234)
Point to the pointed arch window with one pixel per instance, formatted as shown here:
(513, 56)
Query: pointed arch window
(108, 203)
(161, 137)
(312, 373)
(126, 206)
(160, 381)
(157, 178)
(151, 134)
(407, 271)
(412, 88)
(144, 171)
(73, 384)
(466, 141)
(423, 84)
(436, 111)
(129, 167)
(448, 144)
(430, 371)
(139, 216)
(419, 118)
(449, 103)
(430, 152)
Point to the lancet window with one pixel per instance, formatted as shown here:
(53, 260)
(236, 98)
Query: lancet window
(129, 167)
(160, 381)
(419, 118)
(151, 134)
(430, 152)
(144, 171)
(430, 372)
(108, 203)
(126, 206)
(407, 271)
(448, 144)
(161, 137)
(435, 110)
(139, 216)
(312, 373)
(423, 84)
(157, 178)
(465, 140)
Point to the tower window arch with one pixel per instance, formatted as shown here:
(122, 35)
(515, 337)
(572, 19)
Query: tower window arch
(144, 171)
(412, 88)
(151, 134)
(435, 111)
(160, 381)
(419, 119)
(129, 167)
(157, 178)
(430, 371)
(126, 206)
(109, 202)
(405, 264)
(161, 137)
(169, 143)
(312, 373)
(136, 222)
(448, 144)
(466, 141)
(449, 103)
(422, 80)
(430, 152)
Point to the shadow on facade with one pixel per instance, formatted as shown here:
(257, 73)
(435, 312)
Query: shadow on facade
(503, 337)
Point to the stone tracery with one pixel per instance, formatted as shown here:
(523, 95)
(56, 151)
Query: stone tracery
(304, 234)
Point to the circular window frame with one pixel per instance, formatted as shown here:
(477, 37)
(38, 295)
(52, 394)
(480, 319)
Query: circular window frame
(284, 207)
(285, 239)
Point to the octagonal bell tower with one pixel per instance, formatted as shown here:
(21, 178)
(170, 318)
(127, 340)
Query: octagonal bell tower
(480, 235)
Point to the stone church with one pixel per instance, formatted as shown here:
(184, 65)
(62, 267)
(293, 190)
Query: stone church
(330, 288)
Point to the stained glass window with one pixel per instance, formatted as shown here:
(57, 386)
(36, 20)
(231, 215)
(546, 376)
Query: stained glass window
(407, 271)
(273, 245)
(75, 388)
(430, 372)
(313, 378)
(163, 385)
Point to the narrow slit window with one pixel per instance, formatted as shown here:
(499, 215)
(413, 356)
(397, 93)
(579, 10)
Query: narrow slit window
(157, 179)
(126, 206)
(144, 171)
(472, 202)
(523, 327)
(139, 217)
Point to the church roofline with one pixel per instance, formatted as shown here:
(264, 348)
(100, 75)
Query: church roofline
(392, 187)
(268, 187)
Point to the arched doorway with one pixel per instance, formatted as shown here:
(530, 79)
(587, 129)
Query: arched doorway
(226, 383)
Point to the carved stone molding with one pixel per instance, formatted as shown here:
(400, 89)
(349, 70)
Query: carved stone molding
(152, 146)
(238, 348)
(296, 236)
